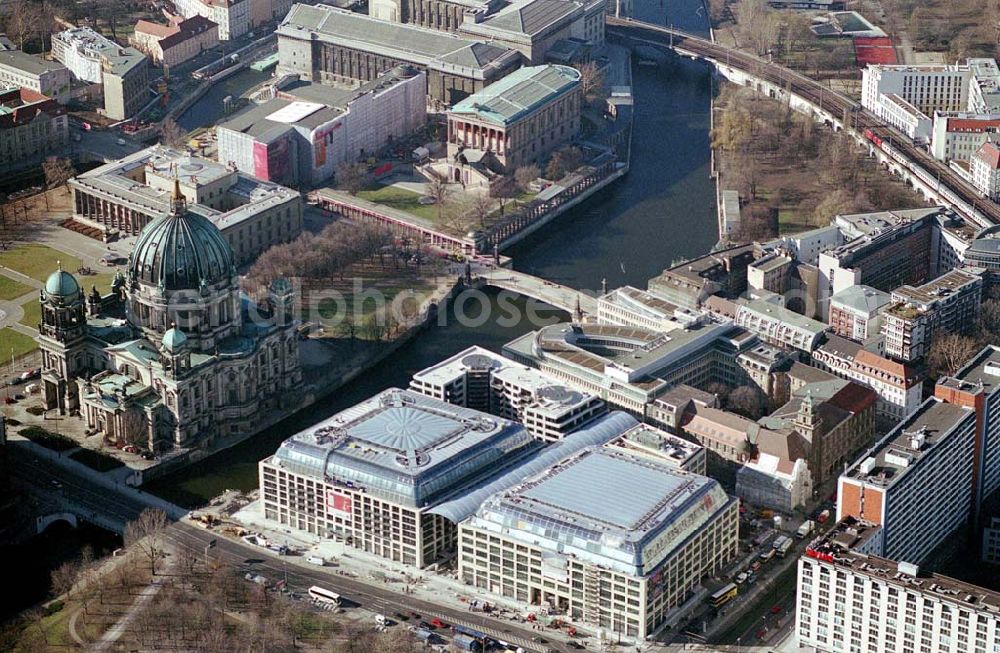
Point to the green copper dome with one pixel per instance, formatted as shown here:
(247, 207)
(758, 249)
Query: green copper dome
(173, 339)
(62, 285)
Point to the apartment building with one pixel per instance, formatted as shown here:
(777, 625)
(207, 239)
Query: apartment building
(48, 78)
(122, 72)
(477, 378)
(897, 385)
(621, 556)
(32, 127)
(957, 135)
(173, 44)
(852, 601)
(916, 482)
(977, 386)
(856, 312)
(950, 302)
(232, 16)
(777, 325)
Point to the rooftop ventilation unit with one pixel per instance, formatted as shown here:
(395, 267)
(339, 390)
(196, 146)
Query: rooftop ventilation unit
(867, 465)
(908, 568)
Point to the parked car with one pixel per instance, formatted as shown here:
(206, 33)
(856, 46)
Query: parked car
(31, 374)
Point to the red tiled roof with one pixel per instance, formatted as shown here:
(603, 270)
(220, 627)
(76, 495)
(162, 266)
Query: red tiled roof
(990, 154)
(155, 29)
(854, 398)
(892, 368)
(974, 125)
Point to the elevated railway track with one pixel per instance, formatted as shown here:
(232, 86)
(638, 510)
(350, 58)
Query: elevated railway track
(849, 114)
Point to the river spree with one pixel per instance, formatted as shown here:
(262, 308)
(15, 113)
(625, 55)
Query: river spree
(663, 210)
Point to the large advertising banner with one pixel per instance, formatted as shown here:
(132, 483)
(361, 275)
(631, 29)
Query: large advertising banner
(260, 161)
(339, 503)
(319, 145)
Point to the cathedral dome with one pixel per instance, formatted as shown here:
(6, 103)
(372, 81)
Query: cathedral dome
(181, 251)
(62, 285)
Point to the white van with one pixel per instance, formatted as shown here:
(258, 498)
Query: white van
(316, 560)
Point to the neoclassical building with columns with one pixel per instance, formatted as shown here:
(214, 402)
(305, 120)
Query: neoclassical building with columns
(174, 356)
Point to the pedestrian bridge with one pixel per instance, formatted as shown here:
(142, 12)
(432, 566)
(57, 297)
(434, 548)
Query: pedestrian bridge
(571, 300)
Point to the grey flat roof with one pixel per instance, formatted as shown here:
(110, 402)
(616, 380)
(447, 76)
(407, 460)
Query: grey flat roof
(519, 93)
(581, 489)
(530, 16)
(28, 63)
(405, 42)
(982, 371)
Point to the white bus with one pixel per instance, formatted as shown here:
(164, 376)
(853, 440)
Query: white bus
(324, 595)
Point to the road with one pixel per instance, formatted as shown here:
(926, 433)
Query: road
(39, 474)
(854, 115)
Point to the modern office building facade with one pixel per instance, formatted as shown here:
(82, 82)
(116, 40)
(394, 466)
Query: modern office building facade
(620, 558)
(916, 483)
(477, 378)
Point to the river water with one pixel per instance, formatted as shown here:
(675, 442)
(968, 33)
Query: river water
(664, 209)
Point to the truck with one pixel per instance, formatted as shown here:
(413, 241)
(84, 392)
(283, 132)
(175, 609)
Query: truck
(316, 560)
(465, 642)
(805, 529)
(782, 545)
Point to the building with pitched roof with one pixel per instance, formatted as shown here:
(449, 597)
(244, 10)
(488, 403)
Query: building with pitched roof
(326, 45)
(32, 127)
(533, 27)
(306, 130)
(232, 16)
(48, 78)
(897, 385)
(985, 169)
(173, 44)
(855, 312)
(516, 121)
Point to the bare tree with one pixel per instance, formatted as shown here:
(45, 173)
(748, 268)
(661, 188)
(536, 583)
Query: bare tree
(592, 83)
(437, 189)
(172, 134)
(948, 352)
(23, 21)
(63, 577)
(145, 533)
(525, 175)
(481, 207)
(564, 161)
(351, 177)
(746, 400)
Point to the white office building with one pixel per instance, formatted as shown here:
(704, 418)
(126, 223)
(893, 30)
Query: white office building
(232, 16)
(852, 602)
(985, 170)
(49, 78)
(479, 379)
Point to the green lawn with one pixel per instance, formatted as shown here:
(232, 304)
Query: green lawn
(20, 343)
(401, 200)
(32, 313)
(10, 289)
(38, 261)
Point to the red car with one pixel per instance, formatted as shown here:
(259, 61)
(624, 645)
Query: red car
(776, 609)
(437, 623)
